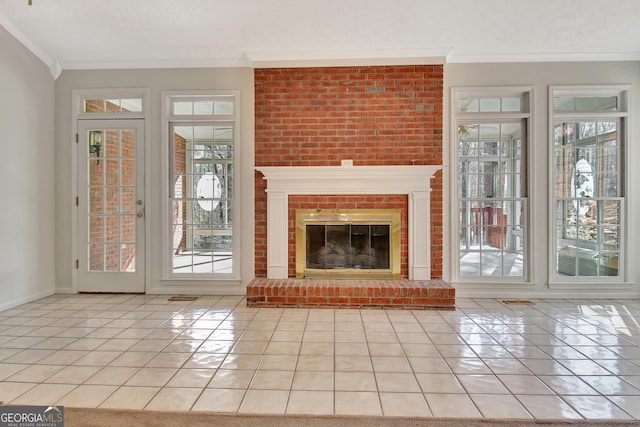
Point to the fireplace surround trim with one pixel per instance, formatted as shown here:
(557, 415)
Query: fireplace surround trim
(414, 181)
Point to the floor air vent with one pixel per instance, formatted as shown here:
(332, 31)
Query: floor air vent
(182, 298)
(517, 301)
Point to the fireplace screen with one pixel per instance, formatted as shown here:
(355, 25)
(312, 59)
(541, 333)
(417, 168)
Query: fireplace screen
(347, 243)
(348, 246)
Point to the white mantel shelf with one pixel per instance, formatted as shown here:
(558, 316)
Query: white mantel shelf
(414, 181)
(348, 179)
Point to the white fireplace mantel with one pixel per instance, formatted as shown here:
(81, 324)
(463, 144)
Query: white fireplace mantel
(414, 181)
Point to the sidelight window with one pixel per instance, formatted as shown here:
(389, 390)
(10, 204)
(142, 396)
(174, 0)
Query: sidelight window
(202, 141)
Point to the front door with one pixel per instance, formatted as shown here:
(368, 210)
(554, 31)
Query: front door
(111, 206)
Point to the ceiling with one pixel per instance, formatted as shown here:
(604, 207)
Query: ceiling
(91, 34)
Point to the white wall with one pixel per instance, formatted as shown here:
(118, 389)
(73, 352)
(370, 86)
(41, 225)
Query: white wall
(540, 76)
(27, 207)
(157, 81)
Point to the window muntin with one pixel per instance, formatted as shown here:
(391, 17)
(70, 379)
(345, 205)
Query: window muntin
(201, 179)
(588, 183)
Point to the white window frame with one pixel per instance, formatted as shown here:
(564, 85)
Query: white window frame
(526, 94)
(168, 118)
(622, 114)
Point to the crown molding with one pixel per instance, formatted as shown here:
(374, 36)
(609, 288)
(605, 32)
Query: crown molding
(155, 63)
(345, 58)
(338, 58)
(53, 65)
(299, 59)
(466, 58)
(55, 69)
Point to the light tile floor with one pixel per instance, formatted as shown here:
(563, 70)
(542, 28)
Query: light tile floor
(555, 359)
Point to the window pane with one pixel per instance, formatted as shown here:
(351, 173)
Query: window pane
(585, 103)
(223, 107)
(511, 104)
(112, 105)
(469, 105)
(469, 263)
(93, 106)
(584, 131)
(611, 212)
(588, 242)
(609, 264)
(563, 103)
(561, 134)
(489, 104)
(203, 108)
(492, 234)
(183, 108)
(564, 161)
(590, 159)
(131, 105)
(468, 132)
(607, 103)
(607, 130)
(607, 185)
(489, 148)
(511, 130)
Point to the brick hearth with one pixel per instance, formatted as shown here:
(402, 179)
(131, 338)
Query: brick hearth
(387, 294)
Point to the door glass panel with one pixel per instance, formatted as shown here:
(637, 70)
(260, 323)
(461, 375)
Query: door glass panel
(111, 195)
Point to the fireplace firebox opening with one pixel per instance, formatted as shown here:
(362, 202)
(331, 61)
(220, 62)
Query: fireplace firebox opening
(348, 243)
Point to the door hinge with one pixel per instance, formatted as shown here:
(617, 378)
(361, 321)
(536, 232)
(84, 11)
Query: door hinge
(77, 138)
(77, 201)
(77, 264)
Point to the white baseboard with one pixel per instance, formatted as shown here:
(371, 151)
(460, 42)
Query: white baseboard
(26, 299)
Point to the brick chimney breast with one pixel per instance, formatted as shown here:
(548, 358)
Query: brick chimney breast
(387, 115)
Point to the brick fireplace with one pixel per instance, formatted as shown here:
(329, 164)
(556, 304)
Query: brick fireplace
(349, 124)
